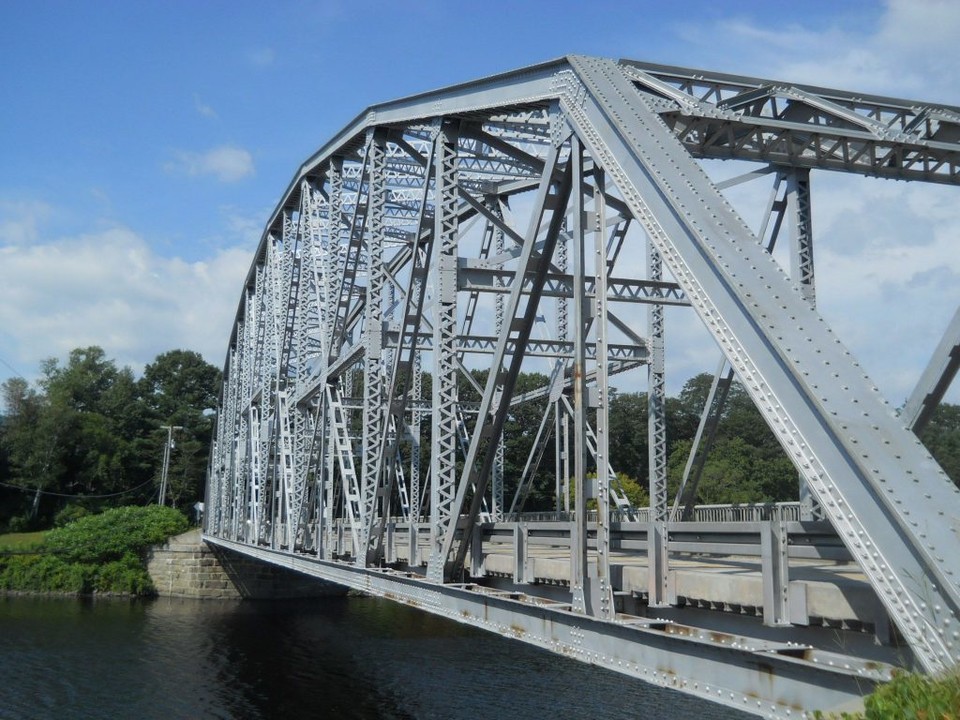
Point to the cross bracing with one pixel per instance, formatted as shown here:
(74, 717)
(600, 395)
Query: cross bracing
(541, 221)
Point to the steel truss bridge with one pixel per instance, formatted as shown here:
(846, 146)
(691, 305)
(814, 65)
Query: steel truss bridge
(541, 220)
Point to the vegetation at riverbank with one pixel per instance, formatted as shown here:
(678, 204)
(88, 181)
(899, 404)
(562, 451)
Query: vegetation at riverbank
(89, 435)
(20, 542)
(102, 553)
(911, 697)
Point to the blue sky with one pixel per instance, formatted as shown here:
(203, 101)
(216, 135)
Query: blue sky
(143, 144)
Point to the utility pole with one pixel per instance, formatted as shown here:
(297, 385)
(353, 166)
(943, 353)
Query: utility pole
(167, 447)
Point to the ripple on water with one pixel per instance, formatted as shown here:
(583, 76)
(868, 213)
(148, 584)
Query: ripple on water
(346, 658)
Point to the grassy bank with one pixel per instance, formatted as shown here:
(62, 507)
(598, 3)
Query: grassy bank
(20, 542)
(103, 553)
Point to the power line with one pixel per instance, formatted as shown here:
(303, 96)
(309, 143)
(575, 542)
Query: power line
(12, 369)
(83, 497)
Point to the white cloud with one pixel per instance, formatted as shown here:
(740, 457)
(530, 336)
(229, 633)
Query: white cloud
(246, 227)
(19, 221)
(226, 163)
(262, 57)
(888, 274)
(203, 108)
(110, 289)
(911, 51)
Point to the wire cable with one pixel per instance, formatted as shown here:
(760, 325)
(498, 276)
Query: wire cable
(12, 368)
(83, 497)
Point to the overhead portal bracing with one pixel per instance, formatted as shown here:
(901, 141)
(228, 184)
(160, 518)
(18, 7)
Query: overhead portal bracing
(542, 220)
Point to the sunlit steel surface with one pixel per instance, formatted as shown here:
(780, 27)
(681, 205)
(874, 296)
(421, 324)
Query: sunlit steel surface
(541, 220)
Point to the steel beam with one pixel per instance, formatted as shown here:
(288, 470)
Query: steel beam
(859, 461)
(935, 380)
(551, 202)
(444, 511)
(770, 679)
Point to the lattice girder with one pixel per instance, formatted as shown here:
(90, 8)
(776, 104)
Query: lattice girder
(311, 319)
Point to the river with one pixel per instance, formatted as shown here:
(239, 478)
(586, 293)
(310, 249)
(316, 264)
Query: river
(347, 657)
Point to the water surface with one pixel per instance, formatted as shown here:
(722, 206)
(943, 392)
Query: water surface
(353, 657)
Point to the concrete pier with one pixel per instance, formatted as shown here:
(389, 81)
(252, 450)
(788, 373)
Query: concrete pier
(187, 567)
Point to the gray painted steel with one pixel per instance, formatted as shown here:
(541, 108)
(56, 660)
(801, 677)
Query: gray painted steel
(436, 232)
(776, 680)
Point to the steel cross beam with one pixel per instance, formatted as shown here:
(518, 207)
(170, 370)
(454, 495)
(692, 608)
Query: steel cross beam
(724, 116)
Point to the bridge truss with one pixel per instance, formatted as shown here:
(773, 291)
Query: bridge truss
(541, 220)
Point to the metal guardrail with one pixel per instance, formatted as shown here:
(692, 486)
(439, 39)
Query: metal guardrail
(736, 512)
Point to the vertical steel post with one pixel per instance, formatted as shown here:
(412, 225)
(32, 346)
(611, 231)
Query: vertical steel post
(415, 416)
(444, 418)
(657, 554)
(565, 452)
(603, 592)
(563, 332)
(578, 522)
(496, 491)
(775, 572)
(801, 232)
(373, 381)
(800, 216)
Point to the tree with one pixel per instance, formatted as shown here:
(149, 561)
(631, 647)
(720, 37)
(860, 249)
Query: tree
(942, 438)
(179, 386)
(180, 389)
(746, 462)
(519, 434)
(628, 434)
(77, 436)
(23, 450)
(91, 429)
(94, 416)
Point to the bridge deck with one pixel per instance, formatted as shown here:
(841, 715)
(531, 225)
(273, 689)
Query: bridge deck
(727, 657)
(836, 592)
(824, 592)
(831, 603)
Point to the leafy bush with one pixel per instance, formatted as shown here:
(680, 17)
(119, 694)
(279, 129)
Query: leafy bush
(125, 575)
(910, 697)
(97, 553)
(42, 573)
(69, 514)
(115, 533)
(20, 524)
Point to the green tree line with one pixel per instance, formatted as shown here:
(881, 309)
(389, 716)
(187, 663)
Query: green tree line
(89, 435)
(90, 429)
(745, 464)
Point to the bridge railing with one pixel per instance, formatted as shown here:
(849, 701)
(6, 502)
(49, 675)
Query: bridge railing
(735, 512)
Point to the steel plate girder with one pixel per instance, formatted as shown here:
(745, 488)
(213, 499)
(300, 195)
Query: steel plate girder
(890, 502)
(769, 679)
